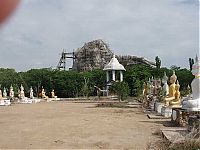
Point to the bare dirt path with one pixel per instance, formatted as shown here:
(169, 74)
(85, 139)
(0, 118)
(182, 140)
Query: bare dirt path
(74, 125)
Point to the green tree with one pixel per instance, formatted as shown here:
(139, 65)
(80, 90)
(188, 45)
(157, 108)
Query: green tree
(121, 89)
(175, 68)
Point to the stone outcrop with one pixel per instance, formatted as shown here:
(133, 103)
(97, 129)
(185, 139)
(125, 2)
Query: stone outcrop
(96, 54)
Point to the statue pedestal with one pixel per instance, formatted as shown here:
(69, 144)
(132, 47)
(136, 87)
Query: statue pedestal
(36, 100)
(25, 100)
(5, 102)
(166, 111)
(158, 107)
(53, 99)
(191, 104)
(152, 105)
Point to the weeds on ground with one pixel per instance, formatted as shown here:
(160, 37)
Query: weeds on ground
(113, 105)
(191, 142)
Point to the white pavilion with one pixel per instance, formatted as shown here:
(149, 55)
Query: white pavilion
(113, 68)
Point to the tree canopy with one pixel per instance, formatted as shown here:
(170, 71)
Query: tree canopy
(73, 84)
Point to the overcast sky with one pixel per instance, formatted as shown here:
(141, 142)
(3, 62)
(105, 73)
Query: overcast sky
(38, 31)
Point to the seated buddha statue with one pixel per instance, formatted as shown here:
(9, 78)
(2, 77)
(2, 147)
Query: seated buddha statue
(192, 102)
(43, 94)
(21, 93)
(4, 93)
(31, 93)
(171, 95)
(177, 101)
(53, 94)
(11, 92)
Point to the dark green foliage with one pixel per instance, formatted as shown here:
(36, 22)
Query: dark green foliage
(121, 89)
(71, 83)
(136, 76)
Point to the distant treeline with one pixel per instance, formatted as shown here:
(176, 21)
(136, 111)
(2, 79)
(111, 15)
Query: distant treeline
(73, 84)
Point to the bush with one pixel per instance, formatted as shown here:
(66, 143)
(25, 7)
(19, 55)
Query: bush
(121, 89)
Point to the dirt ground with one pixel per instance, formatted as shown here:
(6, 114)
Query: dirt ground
(74, 125)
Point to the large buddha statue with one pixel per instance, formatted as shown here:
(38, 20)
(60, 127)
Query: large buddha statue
(171, 95)
(192, 102)
(177, 101)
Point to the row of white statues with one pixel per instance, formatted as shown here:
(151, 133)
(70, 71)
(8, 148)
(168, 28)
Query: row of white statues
(21, 94)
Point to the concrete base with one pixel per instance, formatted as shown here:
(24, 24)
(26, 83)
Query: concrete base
(29, 101)
(158, 107)
(53, 99)
(36, 100)
(166, 111)
(156, 116)
(190, 104)
(175, 134)
(26, 101)
(5, 102)
(152, 105)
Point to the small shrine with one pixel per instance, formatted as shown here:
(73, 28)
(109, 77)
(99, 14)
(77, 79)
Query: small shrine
(112, 69)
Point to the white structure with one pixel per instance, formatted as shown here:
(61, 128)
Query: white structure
(11, 94)
(4, 93)
(112, 67)
(192, 102)
(5, 101)
(21, 95)
(31, 93)
(165, 86)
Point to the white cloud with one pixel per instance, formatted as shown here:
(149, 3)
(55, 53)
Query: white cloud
(40, 29)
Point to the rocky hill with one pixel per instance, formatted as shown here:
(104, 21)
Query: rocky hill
(96, 54)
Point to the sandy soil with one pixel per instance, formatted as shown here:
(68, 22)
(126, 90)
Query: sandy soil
(74, 125)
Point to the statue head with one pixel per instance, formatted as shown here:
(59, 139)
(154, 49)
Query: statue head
(165, 78)
(196, 68)
(11, 88)
(173, 78)
(22, 88)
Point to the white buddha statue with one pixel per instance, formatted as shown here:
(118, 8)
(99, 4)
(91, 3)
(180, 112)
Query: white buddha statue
(192, 102)
(31, 93)
(22, 95)
(4, 93)
(165, 86)
(11, 94)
